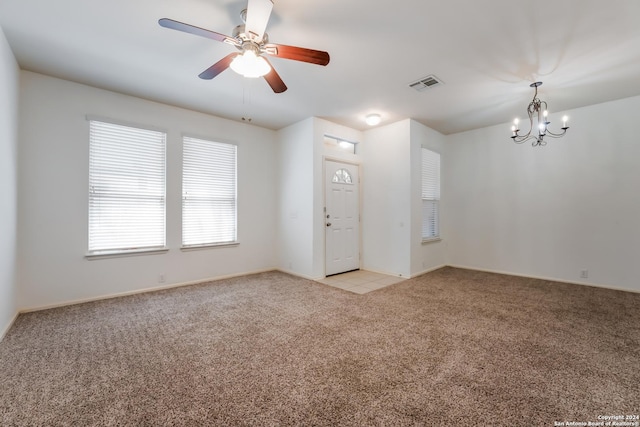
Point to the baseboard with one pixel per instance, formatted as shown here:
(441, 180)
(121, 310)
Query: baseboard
(551, 279)
(293, 273)
(142, 291)
(303, 276)
(4, 332)
(428, 270)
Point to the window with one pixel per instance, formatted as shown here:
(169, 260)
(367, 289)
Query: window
(430, 195)
(208, 193)
(126, 188)
(342, 176)
(339, 144)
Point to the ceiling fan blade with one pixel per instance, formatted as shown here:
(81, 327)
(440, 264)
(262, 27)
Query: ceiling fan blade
(218, 67)
(274, 80)
(258, 13)
(187, 28)
(297, 53)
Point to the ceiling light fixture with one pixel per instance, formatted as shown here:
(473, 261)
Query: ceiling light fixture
(373, 119)
(250, 64)
(537, 110)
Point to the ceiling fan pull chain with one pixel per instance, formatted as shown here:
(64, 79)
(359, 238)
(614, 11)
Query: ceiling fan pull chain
(246, 100)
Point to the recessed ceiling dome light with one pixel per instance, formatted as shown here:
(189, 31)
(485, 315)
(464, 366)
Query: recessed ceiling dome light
(373, 119)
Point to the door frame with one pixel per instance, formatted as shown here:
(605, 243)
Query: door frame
(324, 208)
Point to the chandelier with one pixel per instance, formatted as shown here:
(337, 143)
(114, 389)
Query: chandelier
(537, 111)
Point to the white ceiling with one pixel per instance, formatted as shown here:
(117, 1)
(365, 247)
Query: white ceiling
(487, 53)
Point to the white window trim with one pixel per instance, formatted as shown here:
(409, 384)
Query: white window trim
(431, 240)
(208, 246)
(125, 253)
(97, 118)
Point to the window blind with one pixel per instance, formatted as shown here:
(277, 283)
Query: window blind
(430, 194)
(208, 192)
(126, 188)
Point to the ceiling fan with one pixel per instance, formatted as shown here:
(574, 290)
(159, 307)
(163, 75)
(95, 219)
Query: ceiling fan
(252, 42)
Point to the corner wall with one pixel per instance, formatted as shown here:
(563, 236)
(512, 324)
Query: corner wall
(552, 211)
(425, 256)
(295, 199)
(9, 84)
(53, 206)
(386, 214)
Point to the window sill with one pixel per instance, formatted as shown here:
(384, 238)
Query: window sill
(208, 246)
(431, 240)
(119, 254)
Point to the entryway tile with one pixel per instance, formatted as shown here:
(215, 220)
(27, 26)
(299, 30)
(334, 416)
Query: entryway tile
(360, 281)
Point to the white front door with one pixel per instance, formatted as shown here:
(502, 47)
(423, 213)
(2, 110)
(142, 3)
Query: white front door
(342, 217)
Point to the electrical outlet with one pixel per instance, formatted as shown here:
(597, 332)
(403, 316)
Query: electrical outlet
(584, 274)
(162, 278)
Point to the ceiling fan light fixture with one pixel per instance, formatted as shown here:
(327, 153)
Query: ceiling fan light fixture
(252, 41)
(373, 119)
(250, 65)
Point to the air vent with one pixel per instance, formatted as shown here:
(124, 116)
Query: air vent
(425, 83)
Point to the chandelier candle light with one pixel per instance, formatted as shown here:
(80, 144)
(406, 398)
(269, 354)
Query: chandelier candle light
(537, 110)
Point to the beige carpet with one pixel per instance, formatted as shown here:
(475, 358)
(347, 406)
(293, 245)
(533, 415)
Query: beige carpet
(452, 348)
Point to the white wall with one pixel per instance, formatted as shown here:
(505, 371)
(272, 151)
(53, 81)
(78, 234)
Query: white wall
(431, 255)
(392, 216)
(9, 84)
(386, 215)
(295, 199)
(53, 172)
(549, 211)
(546, 212)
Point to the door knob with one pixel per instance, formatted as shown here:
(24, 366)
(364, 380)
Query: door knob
(328, 224)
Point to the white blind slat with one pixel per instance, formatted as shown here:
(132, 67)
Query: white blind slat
(430, 194)
(208, 192)
(126, 187)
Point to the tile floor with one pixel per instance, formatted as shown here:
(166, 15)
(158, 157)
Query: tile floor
(360, 281)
